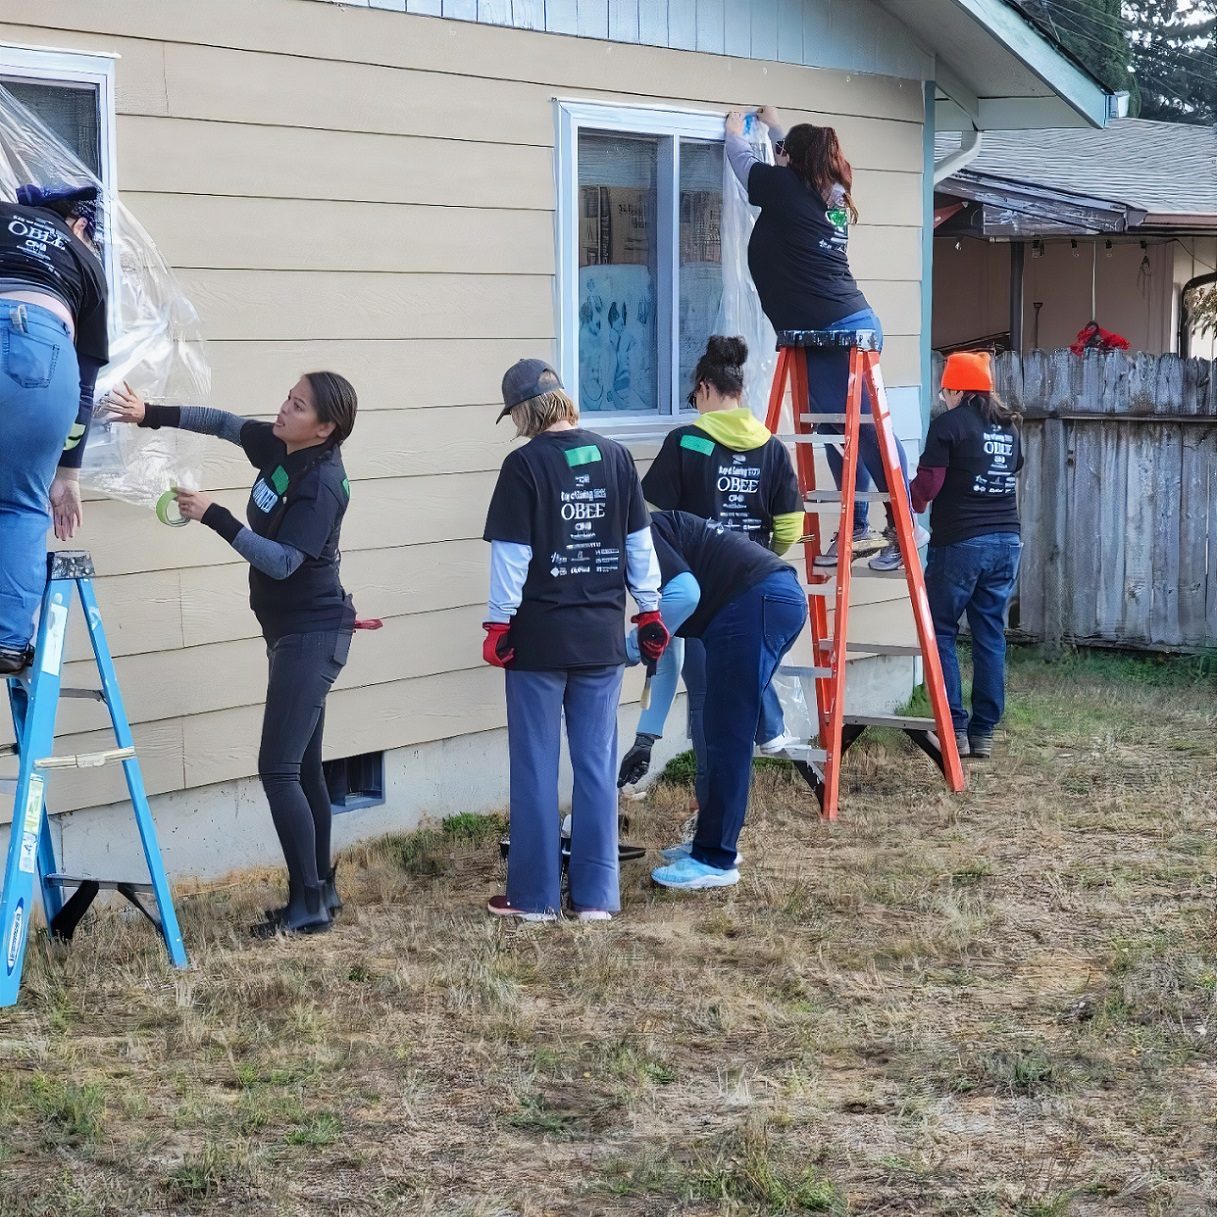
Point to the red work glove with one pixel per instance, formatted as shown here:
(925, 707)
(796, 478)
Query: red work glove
(653, 636)
(497, 649)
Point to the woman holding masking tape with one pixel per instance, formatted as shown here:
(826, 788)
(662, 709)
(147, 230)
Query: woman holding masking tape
(291, 543)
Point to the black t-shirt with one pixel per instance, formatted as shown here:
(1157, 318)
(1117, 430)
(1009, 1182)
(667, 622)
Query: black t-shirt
(724, 563)
(38, 248)
(573, 497)
(798, 253)
(981, 459)
(298, 500)
(741, 490)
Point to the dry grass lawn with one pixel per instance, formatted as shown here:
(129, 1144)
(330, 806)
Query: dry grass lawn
(997, 1003)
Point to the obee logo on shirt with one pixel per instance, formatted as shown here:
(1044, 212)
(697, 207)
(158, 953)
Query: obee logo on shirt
(264, 497)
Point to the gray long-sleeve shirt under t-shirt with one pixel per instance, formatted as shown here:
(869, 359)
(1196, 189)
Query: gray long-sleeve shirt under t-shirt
(272, 558)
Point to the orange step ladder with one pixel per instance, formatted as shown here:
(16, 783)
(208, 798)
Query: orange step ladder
(831, 644)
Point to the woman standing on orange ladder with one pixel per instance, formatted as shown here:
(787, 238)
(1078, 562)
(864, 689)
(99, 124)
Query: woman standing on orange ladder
(798, 258)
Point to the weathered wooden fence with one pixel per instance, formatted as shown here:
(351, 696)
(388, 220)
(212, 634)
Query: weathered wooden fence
(1118, 498)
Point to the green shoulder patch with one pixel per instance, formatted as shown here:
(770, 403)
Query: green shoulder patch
(279, 480)
(586, 455)
(698, 443)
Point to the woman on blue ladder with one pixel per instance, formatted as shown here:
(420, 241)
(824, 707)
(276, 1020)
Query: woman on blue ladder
(799, 261)
(968, 471)
(750, 610)
(53, 342)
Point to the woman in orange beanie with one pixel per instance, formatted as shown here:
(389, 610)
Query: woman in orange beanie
(968, 470)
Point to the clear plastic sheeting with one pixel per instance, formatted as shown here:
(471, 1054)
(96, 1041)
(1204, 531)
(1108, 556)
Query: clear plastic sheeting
(155, 336)
(740, 311)
(796, 713)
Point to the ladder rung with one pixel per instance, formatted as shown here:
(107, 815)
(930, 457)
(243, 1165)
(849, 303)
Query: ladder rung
(834, 496)
(815, 438)
(812, 673)
(821, 589)
(816, 419)
(803, 752)
(901, 721)
(85, 760)
(873, 648)
(84, 694)
(105, 884)
(827, 574)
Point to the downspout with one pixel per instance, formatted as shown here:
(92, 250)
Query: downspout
(969, 150)
(1185, 330)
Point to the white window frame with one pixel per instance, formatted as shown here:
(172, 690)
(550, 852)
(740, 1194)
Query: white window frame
(671, 125)
(55, 65)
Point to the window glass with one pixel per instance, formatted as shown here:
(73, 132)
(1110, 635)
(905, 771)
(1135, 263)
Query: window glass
(69, 110)
(701, 259)
(618, 273)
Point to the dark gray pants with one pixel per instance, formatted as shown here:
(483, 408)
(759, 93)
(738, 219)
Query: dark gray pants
(302, 669)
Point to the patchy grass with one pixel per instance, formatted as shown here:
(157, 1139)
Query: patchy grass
(1000, 1004)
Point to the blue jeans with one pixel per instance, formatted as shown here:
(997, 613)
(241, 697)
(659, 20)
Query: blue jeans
(744, 642)
(303, 667)
(827, 385)
(535, 705)
(39, 397)
(677, 602)
(772, 723)
(975, 576)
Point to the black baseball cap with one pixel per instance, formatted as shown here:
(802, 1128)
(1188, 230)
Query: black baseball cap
(524, 380)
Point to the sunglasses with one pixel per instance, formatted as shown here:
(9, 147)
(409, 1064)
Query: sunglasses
(779, 148)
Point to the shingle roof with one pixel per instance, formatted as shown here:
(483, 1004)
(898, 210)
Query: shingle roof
(1162, 168)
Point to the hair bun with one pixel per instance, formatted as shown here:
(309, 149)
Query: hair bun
(730, 352)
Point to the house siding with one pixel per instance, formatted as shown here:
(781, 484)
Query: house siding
(372, 191)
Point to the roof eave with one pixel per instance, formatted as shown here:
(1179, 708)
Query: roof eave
(1080, 91)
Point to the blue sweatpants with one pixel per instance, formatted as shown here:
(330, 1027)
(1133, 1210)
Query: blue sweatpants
(535, 705)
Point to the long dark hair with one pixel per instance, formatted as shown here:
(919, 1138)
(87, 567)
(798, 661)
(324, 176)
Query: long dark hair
(336, 403)
(816, 156)
(722, 365)
(992, 407)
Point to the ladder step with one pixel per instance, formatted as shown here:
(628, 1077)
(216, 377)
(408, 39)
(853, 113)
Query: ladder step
(873, 648)
(805, 672)
(803, 752)
(901, 721)
(85, 760)
(105, 884)
(865, 572)
(83, 694)
(815, 419)
(834, 496)
(816, 439)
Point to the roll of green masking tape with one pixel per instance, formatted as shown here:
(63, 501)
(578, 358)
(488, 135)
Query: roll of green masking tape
(164, 505)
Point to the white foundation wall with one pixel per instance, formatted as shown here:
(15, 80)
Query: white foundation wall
(214, 830)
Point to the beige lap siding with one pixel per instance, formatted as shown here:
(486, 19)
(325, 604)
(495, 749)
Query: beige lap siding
(361, 190)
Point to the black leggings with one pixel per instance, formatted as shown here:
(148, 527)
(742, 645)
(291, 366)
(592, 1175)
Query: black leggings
(302, 669)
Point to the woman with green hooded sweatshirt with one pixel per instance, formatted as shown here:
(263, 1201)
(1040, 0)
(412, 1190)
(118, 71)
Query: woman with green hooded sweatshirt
(727, 467)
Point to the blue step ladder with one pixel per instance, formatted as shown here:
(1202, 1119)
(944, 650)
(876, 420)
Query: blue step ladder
(34, 695)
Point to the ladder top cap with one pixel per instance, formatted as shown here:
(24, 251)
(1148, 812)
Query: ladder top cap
(864, 340)
(70, 564)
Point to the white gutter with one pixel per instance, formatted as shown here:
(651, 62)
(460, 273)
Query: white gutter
(969, 150)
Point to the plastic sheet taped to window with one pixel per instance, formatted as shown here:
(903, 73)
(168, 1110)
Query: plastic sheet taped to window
(155, 336)
(740, 311)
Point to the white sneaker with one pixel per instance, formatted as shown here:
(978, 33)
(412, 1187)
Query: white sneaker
(593, 915)
(777, 745)
(889, 557)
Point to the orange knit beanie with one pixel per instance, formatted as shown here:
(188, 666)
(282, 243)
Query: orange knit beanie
(970, 371)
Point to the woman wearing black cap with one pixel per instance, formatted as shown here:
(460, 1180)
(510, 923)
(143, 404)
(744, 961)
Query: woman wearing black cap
(295, 514)
(53, 342)
(569, 534)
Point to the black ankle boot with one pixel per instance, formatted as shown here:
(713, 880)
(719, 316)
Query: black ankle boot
(329, 892)
(304, 913)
